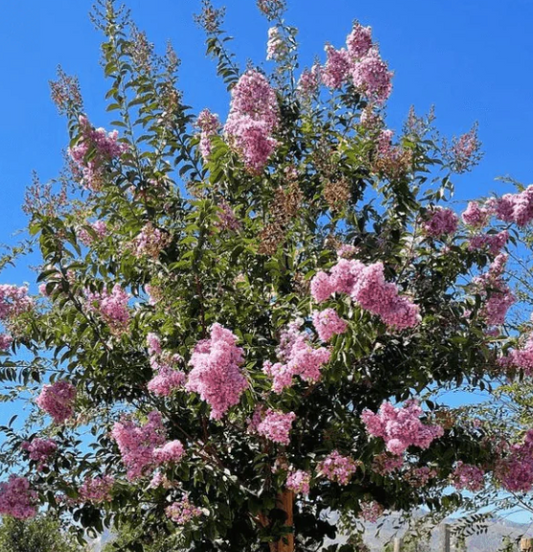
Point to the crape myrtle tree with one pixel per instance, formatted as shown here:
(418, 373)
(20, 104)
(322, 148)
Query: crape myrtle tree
(241, 320)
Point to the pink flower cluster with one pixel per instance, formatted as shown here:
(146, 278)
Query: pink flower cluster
(441, 222)
(521, 358)
(97, 489)
(514, 470)
(183, 512)
(209, 124)
(298, 358)
(276, 47)
(467, 476)
(170, 453)
(273, 424)
(143, 448)
(346, 251)
(361, 62)
(17, 499)
(371, 511)
(216, 373)
(497, 294)
(494, 243)
(14, 300)
(476, 216)
(465, 151)
(149, 242)
(167, 378)
(367, 286)
(166, 381)
(336, 467)
(419, 476)
(112, 307)
(516, 208)
(94, 150)
(328, 323)
(159, 479)
(40, 450)
(299, 481)
(309, 82)
(385, 463)
(5, 342)
(400, 427)
(100, 229)
(57, 399)
(253, 117)
(227, 218)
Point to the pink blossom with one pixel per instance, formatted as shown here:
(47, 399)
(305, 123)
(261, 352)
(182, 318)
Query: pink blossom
(227, 218)
(14, 300)
(359, 41)
(337, 69)
(166, 381)
(97, 489)
(94, 150)
(498, 297)
(209, 124)
(346, 251)
(216, 373)
(57, 399)
(183, 512)
(299, 482)
(298, 358)
(441, 222)
(467, 476)
(253, 117)
(419, 476)
(385, 463)
(154, 344)
(336, 467)
(377, 296)
(367, 286)
(517, 208)
(276, 426)
(17, 499)
(309, 82)
(400, 427)
(137, 443)
(322, 287)
(327, 323)
(521, 358)
(465, 151)
(100, 229)
(371, 511)
(5, 342)
(149, 242)
(494, 243)
(475, 215)
(277, 48)
(160, 480)
(372, 77)
(40, 450)
(170, 453)
(514, 469)
(112, 307)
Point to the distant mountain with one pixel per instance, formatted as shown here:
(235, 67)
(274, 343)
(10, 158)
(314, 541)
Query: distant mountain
(489, 540)
(488, 537)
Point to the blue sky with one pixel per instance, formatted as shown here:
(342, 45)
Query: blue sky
(469, 58)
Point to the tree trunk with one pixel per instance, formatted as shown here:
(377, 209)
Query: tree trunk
(285, 502)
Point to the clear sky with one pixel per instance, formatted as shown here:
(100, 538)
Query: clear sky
(470, 58)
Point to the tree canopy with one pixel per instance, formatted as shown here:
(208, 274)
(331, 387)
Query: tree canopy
(242, 325)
